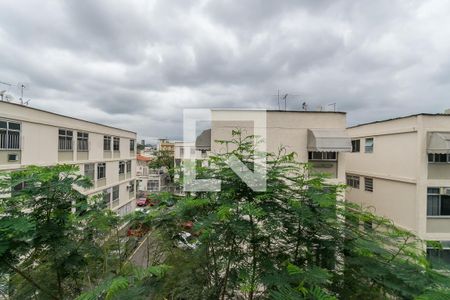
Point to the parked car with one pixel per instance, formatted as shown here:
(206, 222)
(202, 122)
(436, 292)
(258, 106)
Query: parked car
(142, 202)
(186, 240)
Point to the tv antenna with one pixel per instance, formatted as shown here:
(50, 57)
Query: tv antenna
(334, 105)
(284, 97)
(22, 86)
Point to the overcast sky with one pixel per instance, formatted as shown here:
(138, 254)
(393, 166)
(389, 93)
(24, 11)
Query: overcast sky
(137, 64)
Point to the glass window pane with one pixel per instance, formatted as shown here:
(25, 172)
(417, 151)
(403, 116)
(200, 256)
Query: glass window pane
(445, 205)
(14, 126)
(3, 124)
(433, 205)
(433, 190)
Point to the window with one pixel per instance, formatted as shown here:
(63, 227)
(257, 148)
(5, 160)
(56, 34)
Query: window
(116, 144)
(440, 258)
(101, 170)
(369, 145)
(316, 155)
(82, 141)
(182, 151)
(121, 167)
(65, 140)
(107, 197)
(356, 145)
(9, 135)
(131, 189)
(153, 185)
(368, 184)
(438, 201)
(129, 166)
(353, 181)
(107, 143)
(438, 158)
(132, 142)
(13, 157)
(89, 170)
(115, 196)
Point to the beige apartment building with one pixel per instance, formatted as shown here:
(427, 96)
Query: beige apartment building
(30, 136)
(150, 180)
(317, 137)
(401, 169)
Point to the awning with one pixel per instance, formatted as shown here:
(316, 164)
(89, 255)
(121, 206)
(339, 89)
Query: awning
(438, 142)
(329, 140)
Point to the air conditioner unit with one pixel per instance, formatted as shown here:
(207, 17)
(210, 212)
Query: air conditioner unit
(128, 187)
(13, 157)
(445, 191)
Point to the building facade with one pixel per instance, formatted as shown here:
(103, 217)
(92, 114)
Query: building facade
(401, 169)
(107, 155)
(150, 180)
(318, 138)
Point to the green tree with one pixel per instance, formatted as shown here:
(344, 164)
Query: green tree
(51, 235)
(296, 240)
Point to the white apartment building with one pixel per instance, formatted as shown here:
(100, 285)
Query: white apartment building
(150, 180)
(30, 136)
(401, 168)
(200, 149)
(317, 137)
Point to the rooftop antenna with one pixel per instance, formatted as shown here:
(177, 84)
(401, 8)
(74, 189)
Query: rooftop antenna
(334, 106)
(285, 101)
(22, 86)
(304, 106)
(279, 99)
(2, 95)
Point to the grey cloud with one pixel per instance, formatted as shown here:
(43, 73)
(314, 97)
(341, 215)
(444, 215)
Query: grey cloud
(137, 64)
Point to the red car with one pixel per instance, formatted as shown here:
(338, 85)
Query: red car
(142, 202)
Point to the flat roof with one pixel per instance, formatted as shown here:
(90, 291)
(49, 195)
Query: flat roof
(73, 118)
(283, 111)
(399, 118)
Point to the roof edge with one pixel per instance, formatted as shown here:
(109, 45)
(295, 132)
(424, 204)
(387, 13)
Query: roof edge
(399, 118)
(73, 118)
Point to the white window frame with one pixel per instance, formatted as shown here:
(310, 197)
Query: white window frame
(321, 156)
(439, 202)
(116, 142)
(121, 167)
(65, 140)
(115, 195)
(434, 161)
(353, 181)
(358, 142)
(101, 166)
(368, 184)
(7, 137)
(106, 143)
(89, 168)
(82, 141)
(367, 147)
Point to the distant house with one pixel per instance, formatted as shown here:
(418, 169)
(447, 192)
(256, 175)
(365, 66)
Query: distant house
(150, 180)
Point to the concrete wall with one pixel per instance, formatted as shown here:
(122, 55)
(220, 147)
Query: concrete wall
(39, 146)
(401, 172)
(283, 129)
(391, 199)
(389, 158)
